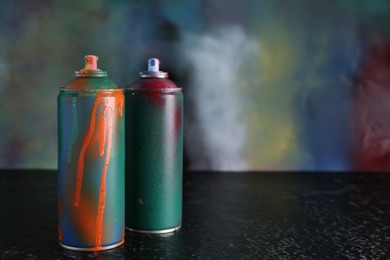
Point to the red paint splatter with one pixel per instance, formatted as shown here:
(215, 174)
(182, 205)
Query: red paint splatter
(154, 88)
(155, 84)
(371, 108)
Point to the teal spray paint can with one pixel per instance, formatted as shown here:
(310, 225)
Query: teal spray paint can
(154, 152)
(91, 165)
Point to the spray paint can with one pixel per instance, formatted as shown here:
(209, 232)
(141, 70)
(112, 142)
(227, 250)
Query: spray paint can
(91, 161)
(154, 152)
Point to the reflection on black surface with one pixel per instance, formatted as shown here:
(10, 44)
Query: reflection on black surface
(226, 216)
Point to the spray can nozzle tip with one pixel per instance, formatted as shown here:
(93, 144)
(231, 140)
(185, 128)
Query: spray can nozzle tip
(153, 64)
(91, 62)
(153, 70)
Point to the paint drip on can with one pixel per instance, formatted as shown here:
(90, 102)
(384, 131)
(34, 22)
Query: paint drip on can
(91, 161)
(154, 152)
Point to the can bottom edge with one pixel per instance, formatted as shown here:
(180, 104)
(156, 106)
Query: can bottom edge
(92, 249)
(156, 232)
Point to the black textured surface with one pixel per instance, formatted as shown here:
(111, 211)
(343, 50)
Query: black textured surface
(226, 216)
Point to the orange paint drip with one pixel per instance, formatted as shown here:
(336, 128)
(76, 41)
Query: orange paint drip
(110, 101)
(119, 103)
(102, 126)
(85, 217)
(102, 194)
(80, 166)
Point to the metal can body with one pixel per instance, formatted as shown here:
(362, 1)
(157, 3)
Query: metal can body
(154, 145)
(91, 165)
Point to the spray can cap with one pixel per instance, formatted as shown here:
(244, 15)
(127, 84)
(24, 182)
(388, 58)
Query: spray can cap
(91, 62)
(90, 68)
(153, 70)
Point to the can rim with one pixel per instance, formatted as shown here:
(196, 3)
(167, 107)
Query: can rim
(92, 90)
(90, 249)
(163, 90)
(91, 73)
(155, 232)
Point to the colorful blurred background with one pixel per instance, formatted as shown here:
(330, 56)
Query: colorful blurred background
(268, 85)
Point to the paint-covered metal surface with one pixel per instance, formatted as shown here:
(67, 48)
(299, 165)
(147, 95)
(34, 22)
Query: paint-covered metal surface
(91, 163)
(154, 151)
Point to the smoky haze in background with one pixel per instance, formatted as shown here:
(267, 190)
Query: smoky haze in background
(268, 85)
(216, 139)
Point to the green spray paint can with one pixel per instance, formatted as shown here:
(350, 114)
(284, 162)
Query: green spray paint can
(91, 166)
(154, 152)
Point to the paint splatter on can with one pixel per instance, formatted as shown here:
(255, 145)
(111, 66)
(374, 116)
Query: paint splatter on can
(154, 151)
(91, 161)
